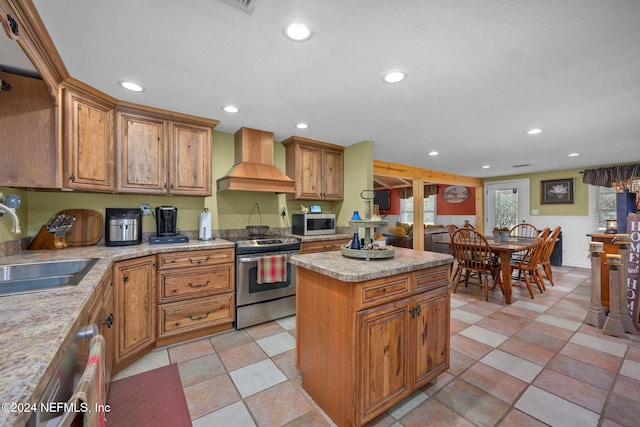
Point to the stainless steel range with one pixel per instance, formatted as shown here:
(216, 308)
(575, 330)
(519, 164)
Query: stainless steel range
(257, 303)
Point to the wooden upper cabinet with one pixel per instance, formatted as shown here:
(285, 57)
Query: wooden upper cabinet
(161, 156)
(317, 167)
(88, 142)
(190, 160)
(333, 174)
(142, 152)
(30, 155)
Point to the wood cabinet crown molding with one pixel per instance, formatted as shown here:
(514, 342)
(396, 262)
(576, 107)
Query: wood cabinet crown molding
(33, 38)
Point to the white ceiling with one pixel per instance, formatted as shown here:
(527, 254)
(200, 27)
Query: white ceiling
(480, 73)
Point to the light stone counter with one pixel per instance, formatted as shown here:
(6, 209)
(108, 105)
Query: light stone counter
(323, 237)
(35, 327)
(334, 264)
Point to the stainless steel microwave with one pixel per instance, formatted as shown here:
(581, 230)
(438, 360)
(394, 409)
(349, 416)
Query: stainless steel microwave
(313, 224)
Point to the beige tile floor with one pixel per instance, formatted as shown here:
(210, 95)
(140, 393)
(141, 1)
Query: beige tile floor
(531, 363)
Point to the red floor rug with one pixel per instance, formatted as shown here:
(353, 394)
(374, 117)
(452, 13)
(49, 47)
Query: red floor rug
(153, 398)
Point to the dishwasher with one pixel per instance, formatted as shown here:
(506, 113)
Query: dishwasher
(64, 379)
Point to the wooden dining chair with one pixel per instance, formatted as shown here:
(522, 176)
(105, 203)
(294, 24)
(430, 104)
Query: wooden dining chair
(474, 255)
(453, 269)
(524, 230)
(528, 266)
(545, 258)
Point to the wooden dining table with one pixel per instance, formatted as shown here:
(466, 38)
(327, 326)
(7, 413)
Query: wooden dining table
(504, 251)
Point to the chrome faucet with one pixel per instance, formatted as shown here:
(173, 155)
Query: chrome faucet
(14, 217)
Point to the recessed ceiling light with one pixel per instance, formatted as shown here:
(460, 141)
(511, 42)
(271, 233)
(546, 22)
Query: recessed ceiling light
(298, 32)
(534, 131)
(573, 154)
(132, 86)
(302, 126)
(433, 153)
(486, 167)
(394, 76)
(230, 108)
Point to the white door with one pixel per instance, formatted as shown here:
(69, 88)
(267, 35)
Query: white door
(506, 203)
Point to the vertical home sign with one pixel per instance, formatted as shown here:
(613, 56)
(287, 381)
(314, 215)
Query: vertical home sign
(633, 281)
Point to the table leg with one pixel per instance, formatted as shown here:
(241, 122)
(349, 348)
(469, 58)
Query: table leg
(505, 267)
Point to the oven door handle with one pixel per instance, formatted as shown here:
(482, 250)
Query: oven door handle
(253, 259)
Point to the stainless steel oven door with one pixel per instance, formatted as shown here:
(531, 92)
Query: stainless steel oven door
(248, 291)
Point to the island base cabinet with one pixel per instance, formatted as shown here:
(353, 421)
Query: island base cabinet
(357, 359)
(431, 332)
(384, 358)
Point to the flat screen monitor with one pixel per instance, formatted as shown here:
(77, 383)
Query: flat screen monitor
(382, 199)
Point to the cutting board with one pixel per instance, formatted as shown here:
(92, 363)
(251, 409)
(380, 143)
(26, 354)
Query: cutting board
(87, 229)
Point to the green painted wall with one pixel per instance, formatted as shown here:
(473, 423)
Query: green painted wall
(580, 206)
(358, 176)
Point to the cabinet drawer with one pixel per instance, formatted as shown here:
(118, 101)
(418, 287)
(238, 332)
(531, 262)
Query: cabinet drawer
(180, 284)
(322, 246)
(431, 278)
(178, 317)
(195, 258)
(379, 291)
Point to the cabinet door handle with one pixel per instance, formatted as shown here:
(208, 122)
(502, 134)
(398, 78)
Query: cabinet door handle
(72, 178)
(200, 285)
(198, 261)
(413, 312)
(418, 310)
(200, 317)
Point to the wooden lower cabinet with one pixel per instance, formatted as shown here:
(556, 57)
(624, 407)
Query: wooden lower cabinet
(363, 347)
(101, 314)
(322, 245)
(196, 294)
(135, 306)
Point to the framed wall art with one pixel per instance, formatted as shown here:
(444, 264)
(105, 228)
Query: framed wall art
(556, 191)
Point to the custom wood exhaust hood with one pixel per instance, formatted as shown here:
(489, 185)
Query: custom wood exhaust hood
(254, 169)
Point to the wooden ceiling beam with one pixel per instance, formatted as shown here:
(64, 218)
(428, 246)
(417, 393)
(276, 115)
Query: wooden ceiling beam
(430, 176)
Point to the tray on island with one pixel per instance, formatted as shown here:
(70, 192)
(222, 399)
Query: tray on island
(367, 255)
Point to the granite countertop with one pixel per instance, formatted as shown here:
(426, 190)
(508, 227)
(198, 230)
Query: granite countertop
(35, 327)
(334, 264)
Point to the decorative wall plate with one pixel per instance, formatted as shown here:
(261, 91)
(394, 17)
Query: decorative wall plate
(456, 194)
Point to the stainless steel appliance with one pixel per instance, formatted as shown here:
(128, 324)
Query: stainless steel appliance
(310, 224)
(64, 379)
(122, 227)
(166, 221)
(258, 303)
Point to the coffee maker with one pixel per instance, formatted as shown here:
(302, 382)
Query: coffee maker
(166, 220)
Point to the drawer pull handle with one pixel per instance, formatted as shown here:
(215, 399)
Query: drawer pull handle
(200, 317)
(200, 285)
(198, 261)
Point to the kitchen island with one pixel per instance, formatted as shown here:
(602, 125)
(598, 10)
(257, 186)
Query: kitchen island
(369, 333)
